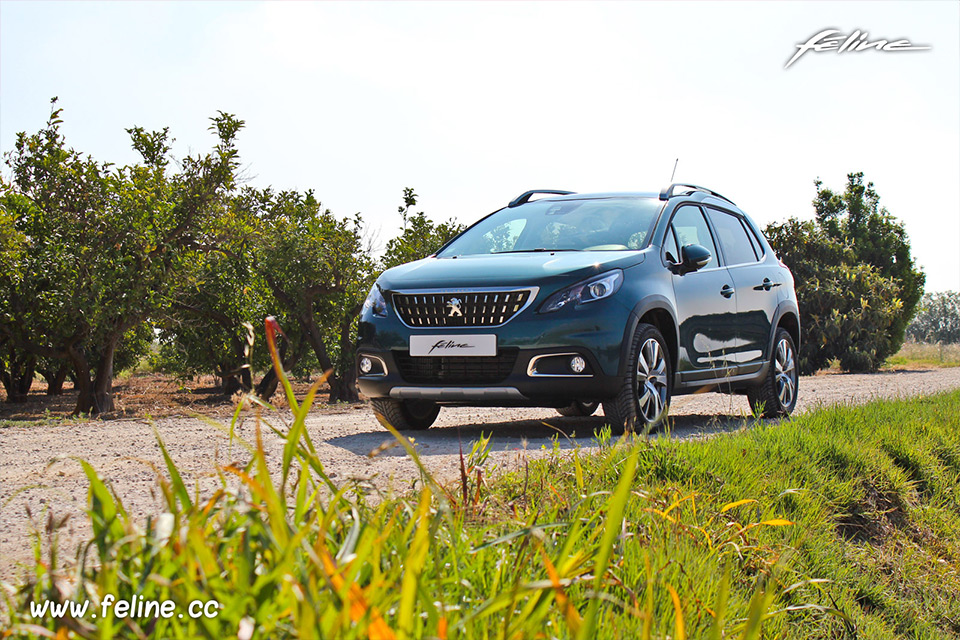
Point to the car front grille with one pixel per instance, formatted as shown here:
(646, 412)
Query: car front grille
(472, 309)
(456, 369)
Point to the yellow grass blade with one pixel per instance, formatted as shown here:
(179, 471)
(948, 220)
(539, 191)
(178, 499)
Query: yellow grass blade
(731, 505)
(570, 613)
(679, 633)
(413, 567)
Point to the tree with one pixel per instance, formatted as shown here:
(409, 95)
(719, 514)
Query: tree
(420, 236)
(875, 237)
(938, 319)
(104, 244)
(219, 300)
(854, 277)
(318, 269)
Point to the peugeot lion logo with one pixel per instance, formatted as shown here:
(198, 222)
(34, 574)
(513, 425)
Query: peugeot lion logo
(454, 304)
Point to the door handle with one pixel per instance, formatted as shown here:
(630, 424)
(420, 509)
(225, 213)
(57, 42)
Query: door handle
(727, 291)
(766, 285)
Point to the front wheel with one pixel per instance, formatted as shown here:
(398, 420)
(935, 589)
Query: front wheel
(777, 396)
(405, 415)
(644, 397)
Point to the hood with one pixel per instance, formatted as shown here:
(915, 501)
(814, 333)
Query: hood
(506, 269)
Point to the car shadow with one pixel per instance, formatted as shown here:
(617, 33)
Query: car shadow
(563, 432)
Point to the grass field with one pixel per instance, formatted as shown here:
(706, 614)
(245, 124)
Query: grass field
(923, 354)
(841, 523)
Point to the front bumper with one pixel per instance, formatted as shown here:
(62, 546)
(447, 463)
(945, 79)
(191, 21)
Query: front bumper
(593, 331)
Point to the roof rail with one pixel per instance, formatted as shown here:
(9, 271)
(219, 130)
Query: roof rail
(525, 197)
(667, 192)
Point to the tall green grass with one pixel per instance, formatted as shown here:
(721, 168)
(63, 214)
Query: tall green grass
(842, 523)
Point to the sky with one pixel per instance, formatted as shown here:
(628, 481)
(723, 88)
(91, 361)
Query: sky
(473, 103)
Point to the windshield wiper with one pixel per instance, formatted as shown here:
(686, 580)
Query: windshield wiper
(537, 250)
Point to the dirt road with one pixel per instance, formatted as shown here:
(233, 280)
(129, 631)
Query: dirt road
(121, 450)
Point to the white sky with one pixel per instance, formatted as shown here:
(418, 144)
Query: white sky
(474, 103)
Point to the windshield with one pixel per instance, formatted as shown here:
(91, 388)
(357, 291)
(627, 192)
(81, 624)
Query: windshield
(596, 224)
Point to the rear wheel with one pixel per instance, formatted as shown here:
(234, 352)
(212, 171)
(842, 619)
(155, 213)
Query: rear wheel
(777, 396)
(644, 397)
(405, 415)
(578, 408)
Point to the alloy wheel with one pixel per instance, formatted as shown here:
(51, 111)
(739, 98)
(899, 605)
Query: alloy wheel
(786, 373)
(651, 384)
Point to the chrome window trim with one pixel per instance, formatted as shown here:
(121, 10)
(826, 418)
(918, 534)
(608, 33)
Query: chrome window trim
(454, 290)
(533, 361)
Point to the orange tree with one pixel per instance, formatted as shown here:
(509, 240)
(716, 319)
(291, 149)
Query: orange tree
(102, 245)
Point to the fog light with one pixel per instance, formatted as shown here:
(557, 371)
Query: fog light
(577, 364)
(366, 364)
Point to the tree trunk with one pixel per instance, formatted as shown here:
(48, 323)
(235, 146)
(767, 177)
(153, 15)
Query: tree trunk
(103, 383)
(81, 381)
(346, 388)
(19, 378)
(55, 379)
(231, 384)
(312, 331)
(26, 378)
(269, 383)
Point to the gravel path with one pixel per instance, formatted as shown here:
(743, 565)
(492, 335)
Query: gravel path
(38, 470)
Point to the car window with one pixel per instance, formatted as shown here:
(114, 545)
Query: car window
(734, 240)
(691, 228)
(504, 237)
(754, 241)
(671, 251)
(589, 224)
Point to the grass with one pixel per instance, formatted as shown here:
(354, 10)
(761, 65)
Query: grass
(924, 354)
(843, 523)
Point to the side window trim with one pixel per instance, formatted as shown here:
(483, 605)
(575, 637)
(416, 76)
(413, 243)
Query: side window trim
(755, 243)
(670, 232)
(754, 238)
(718, 251)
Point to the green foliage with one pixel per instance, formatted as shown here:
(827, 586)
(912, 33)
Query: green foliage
(421, 237)
(102, 245)
(850, 528)
(854, 276)
(938, 319)
(318, 268)
(217, 301)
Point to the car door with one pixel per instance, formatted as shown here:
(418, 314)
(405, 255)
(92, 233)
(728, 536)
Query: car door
(756, 283)
(706, 300)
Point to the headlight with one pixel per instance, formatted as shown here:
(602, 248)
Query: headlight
(375, 303)
(596, 288)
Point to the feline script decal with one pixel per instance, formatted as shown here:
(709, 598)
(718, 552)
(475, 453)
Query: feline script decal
(449, 344)
(834, 40)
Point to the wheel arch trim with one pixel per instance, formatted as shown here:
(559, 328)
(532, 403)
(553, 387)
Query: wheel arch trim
(654, 302)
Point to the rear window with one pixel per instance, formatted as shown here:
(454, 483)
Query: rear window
(734, 239)
(590, 224)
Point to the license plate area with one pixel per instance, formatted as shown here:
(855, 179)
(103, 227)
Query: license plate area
(453, 345)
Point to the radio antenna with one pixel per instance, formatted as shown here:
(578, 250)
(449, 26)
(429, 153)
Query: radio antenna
(674, 170)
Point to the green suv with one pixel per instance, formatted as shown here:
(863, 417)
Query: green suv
(576, 300)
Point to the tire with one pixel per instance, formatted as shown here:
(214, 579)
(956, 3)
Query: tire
(578, 408)
(405, 415)
(644, 397)
(777, 396)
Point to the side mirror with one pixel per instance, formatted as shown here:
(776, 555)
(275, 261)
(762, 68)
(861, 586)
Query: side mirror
(693, 257)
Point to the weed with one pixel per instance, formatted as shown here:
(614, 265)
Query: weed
(734, 537)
